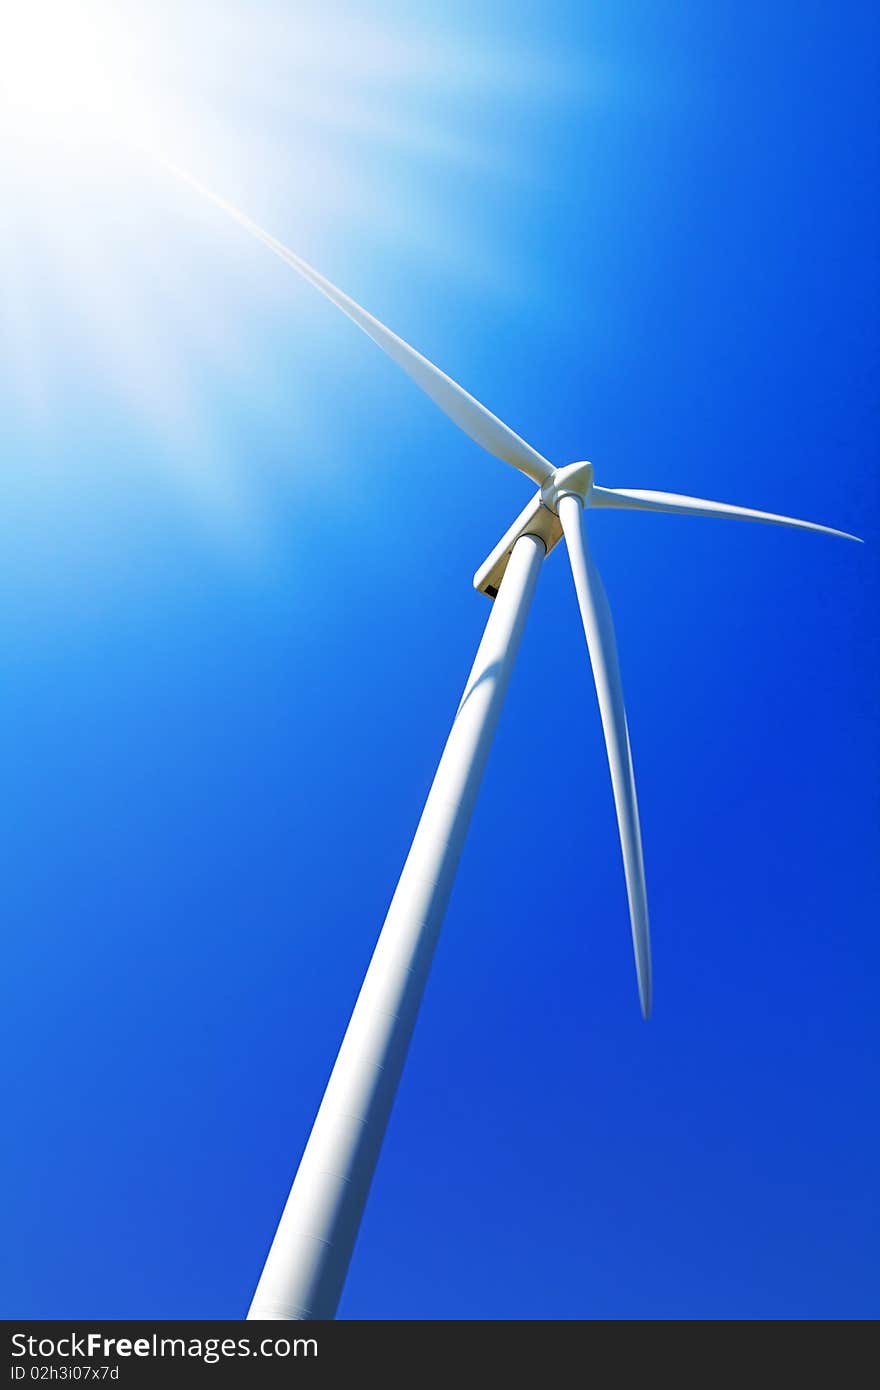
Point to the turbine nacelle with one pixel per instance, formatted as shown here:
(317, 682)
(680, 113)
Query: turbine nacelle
(539, 518)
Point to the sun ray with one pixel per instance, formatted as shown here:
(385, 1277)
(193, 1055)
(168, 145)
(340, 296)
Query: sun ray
(342, 137)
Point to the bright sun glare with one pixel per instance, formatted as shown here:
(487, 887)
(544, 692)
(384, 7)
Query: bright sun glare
(344, 135)
(58, 62)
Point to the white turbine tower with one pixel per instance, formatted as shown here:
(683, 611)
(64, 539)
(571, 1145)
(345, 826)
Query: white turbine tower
(309, 1258)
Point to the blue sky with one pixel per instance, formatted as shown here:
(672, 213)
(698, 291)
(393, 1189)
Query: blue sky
(236, 613)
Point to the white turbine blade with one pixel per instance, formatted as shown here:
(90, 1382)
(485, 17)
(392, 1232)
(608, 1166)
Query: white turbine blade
(602, 646)
(637, 499)
(473, 418)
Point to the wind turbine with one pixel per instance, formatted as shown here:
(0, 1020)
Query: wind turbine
(308, 1261)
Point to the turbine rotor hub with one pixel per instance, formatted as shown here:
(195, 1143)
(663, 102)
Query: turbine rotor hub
(574, 480)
